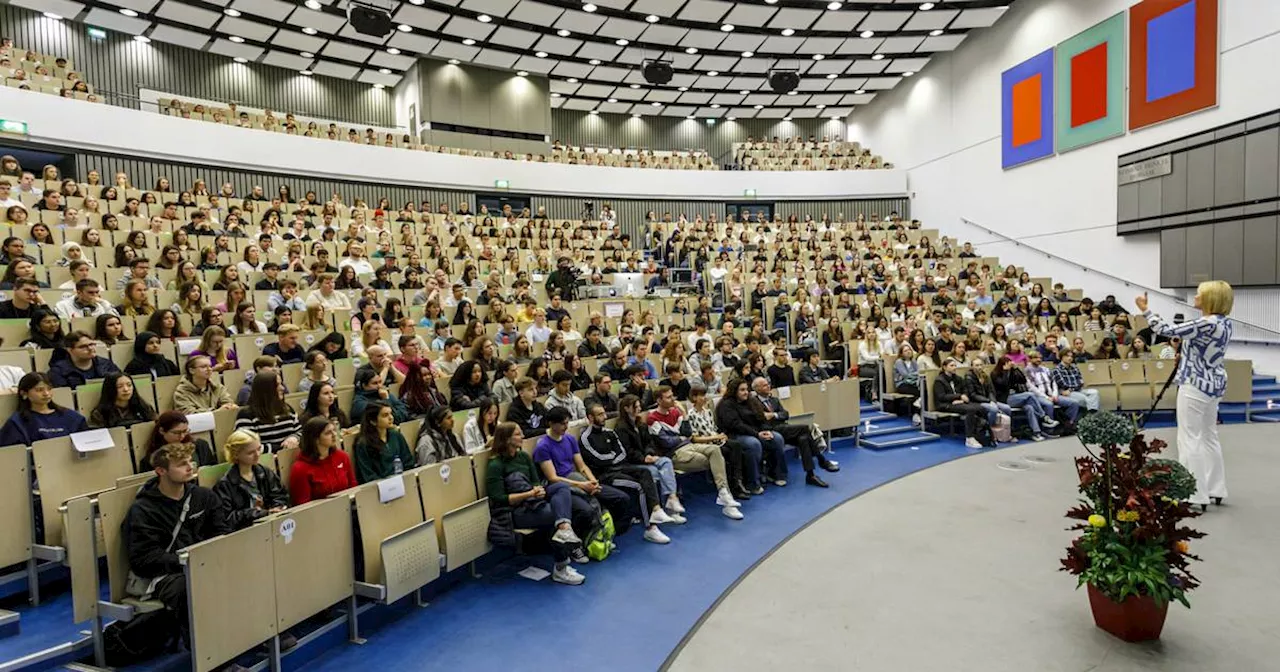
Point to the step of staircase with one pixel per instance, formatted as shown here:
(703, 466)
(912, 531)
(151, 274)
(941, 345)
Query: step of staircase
(1266, 417)
(890, 424)
(875, 416)
(1259, 379)
(1266, 388)
(898, 440)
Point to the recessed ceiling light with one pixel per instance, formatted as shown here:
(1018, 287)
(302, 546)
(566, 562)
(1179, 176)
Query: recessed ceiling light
(832, 76)
(572, 80)
(833, 6)
(312, 4)
(744, 92)
(635, 115)
(541, 54)
(728, 27)
(468, 41)
(786, 118)
(860, 91)
(908, 73)
(731, 118)
(936, 32)
(404, 28)
(793, 92)
(563, 33)
(418, 2)
(305, 73)
(141, 38)
(379, 86)
(652, 18)
(51, 15)
(595, 111)
(454, 61)
(589, 7)
(868, 33)
(821, 106)
(522, 73)
(554, 94)
(621, 42)
(759, 107)
(788, 32)
(818, 57)
(690, 117)
(309, 30)
(690, 50)
(878, 57)
(236, 38)
(307, 54)
(770, 2)
(635, 86)
(656, 104)
(128, 12)
(240, 59)
(231, 12)
(713, 73)
(484, 18)
(926, 6)
(613, 100)
(683, 88)
(715, 106)
(385, 71)
(748, 54)
(393, 51)
(594, 61)
(835, 117)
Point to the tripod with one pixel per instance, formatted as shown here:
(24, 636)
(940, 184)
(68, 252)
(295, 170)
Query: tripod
(1142, 421)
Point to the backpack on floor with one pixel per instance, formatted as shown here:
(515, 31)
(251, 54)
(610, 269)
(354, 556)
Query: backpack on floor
(1002, 431)
(599, 541)
(984, 434)
(143, 638)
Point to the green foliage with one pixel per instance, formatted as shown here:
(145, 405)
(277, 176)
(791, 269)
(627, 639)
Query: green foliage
(1179, 482)
(1100, 429)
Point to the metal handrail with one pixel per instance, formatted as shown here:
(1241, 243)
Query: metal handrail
(1127, 283)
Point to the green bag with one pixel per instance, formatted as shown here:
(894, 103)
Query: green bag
(599, 541)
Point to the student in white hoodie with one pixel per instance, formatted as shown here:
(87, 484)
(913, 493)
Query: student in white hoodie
(478, 431)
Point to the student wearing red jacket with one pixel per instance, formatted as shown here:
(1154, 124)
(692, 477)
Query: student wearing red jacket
(322, 469)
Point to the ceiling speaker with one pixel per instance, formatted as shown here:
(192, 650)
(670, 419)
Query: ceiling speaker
(657, 72)
(369, 20)
(782, 81)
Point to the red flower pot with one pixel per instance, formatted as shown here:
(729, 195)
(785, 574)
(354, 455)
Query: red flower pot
(1137, 619)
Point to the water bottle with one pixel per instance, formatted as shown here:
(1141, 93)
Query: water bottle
(397, 466)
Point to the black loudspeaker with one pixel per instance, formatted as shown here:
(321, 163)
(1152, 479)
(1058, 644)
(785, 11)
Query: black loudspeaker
(782, 81)
(657, 72)
(369, 20)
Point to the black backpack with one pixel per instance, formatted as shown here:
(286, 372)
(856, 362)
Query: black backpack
(143, 638)
(984, 434)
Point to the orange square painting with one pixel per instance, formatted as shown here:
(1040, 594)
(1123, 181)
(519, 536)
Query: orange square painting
(1027, 124)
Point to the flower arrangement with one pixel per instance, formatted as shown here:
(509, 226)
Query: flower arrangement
(1131, 542)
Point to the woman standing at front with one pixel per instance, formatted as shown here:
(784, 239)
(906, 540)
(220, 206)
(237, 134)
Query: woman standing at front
(1202, 380)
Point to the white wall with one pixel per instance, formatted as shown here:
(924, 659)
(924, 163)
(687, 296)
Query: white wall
(74, 123)
(943, 127)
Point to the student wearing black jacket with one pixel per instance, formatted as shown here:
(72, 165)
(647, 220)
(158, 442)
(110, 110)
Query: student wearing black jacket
(602, 395)
(248, 491)
(526, 410)
(736, 417)
(614, 464)
(592, 346)
(780, 373)
(978, 386)
(1011, 388)
(951, 394)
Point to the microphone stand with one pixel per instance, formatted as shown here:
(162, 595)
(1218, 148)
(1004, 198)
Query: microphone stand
(1142, 421)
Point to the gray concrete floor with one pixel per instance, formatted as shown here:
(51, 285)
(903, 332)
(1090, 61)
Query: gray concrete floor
(955, 568)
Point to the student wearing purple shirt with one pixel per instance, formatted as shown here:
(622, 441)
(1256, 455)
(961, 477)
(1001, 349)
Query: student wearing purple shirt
(560, 461)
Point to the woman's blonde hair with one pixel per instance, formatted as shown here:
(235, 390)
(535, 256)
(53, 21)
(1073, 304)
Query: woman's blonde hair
(1216, 297)
(237, 442)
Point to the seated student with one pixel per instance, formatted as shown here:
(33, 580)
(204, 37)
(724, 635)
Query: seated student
(1070, 382)
(812, 371)
(38, 417)
(198, 392)
(780, 372)
(562, 396)
(419, 391)
(260, 365)
(369, 388)
(737, 418)
(213, 344)
(637, 387)
(951, 395)
(79, 362)
(478, 430)
(286, 348)
(438, 442)
(322, 468)
(322, 402)
(148, 360)
(606, 455)
(119, 406)
(676, 381)
(592, 346)
(44, 330)
(380, 450)
(1011, 388)
(702, 422)
(315, 367)
(602, 394)
(248, 491)
(560, 461)
(170, 513)
(467, 386)
(525, 410)
(517, 500)
(1040, 381)
(981, 391)
(172, 427)
(267, 414)
(906, 377)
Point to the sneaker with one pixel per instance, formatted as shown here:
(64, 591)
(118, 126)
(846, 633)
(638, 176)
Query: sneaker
(732, 512)
(1048, 421)
(677, 519)
(972, 443)
(1037, 437)
(659, 517)
(758, 490)
(579, 556)
(655, 536)
(674, 505)
(570, 569)
(567, 575)
(565, 535)
(780, 483)
(915, 420)
(725, 498)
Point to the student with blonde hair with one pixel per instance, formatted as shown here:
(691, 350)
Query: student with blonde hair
(249, 490)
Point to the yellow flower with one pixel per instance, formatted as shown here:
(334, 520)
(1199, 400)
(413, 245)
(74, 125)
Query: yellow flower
(1125, 456)
(1097, 521)
(1183, 547)
(1127, 516)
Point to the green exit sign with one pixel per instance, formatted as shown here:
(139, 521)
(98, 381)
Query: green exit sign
(9, 126)
(749, 193)
(502, 184)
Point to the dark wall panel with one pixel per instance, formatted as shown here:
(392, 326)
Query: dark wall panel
(1173, 258)
(1200, 178)
(1262, 164)
(1259, 263)
(1200, 254)
(1228, 251)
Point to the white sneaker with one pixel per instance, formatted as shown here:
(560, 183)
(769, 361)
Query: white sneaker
(567, 575)
(654, 535)
(1048, 421)
(677, 519)
(732, 512)
(659, 517)
(725, 498)
(972, 443)
(1037, 437)
(565, 535)
(572, 570)
(915, 420)
(674, 505)
(579, 556)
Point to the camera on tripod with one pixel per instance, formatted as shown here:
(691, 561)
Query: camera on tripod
(588, 210)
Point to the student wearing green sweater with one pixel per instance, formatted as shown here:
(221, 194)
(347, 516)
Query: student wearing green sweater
(379, 446)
